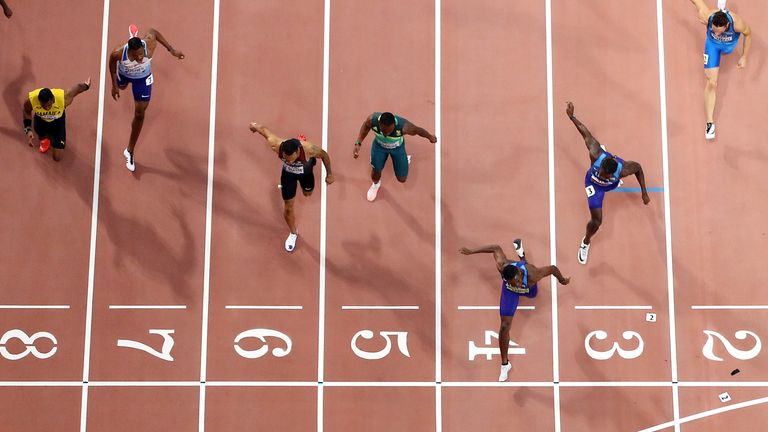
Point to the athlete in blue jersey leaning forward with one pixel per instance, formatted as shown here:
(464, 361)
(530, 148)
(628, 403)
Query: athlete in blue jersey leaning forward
(517, 278)
(723, 30)
(132, 64)
(604, 175)
(390, 131)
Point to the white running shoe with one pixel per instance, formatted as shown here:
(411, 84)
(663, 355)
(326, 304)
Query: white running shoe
(409, 159)
(583, 252)
(373, 191)
(504, 374)
(721, 4)
(519, 248)
(290, 242)
(129, 162)
(709, 133)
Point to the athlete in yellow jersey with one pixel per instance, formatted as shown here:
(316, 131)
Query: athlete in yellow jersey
(47, 107)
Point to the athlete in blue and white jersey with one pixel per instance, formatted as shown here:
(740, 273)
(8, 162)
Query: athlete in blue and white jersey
(518, 278)
(132, 64)
(604, 175)
(724, 29)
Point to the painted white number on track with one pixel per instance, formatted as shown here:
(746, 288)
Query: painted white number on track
(165, 350)
(29, 343)
(262, 334)
(605, 355)
(402, 344)
(709, 347)
(489, 350)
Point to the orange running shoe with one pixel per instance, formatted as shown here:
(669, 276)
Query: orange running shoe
(45, 144)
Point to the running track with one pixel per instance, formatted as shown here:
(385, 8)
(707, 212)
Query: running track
(196, 232)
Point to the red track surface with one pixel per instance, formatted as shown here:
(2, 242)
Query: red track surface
(492, 123)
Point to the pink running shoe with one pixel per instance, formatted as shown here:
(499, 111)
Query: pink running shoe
(133, 30)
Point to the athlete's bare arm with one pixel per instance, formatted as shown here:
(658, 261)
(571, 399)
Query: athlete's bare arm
(703, 10)
(153, 36)
(6, 10)
(312, 150)
(114, 57)
(411, 129)
(550, 271)
(27, 112)
(498, 254)
(364, 129)
(272, 139)
(592, 145)
(76, 89)
(739, 25)
(632, 167)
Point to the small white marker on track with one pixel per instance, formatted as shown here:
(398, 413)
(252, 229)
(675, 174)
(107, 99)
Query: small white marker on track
(724, 397)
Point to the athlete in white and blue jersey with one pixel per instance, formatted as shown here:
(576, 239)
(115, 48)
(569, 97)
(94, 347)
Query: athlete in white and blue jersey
(724, 29)
(603, 175)
(132, 64)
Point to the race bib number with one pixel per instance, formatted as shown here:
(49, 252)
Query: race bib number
(706, 58)
(517, 290)
(590, 190)
(294, 169)
(150, 80)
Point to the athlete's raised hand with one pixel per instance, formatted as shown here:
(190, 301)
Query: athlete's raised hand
(176, 53)
(569, 109)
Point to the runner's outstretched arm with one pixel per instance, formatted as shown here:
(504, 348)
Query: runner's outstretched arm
(592, 145)
(498, 254)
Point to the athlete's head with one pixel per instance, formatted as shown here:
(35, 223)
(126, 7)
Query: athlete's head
(510, 275)
(290, 149)
(135, 49)
(45, 96)
(719, 23)
(608, 167)
(387, 123)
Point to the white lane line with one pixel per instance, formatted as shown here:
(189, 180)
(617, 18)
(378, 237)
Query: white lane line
(263, 307)
(552, 212)
(703, 414)
(34, 306)
(667, 211)
(493, 308)
(148, 307)
(208, 215)
(729, 307)
(94, 217)
(613, 307)
(374, 307)
(438, 218)
(323, 216)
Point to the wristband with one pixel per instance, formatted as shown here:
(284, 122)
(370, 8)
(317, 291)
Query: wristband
(27, 130)
(357, 143)
(27, 123)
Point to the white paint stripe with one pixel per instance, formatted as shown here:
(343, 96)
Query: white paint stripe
(41, 383)
(263, 307)
(616, 384)
(263, 384)
(379, 308)
(493, 308)
(729, 307)
(209, 215)
(323, 216)
(94, 217)
(481, 384)
(34, 306)
(148, 307)
(703, 414)
(144, 384)
(379, 384)
(438, 212)
(613, 307)
(667, 209)
(552, 212)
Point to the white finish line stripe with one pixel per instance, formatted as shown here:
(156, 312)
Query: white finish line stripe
(34, 306)
(731, 307)
(147, 306)
(379, 308)
(613, 307)
(263, 307)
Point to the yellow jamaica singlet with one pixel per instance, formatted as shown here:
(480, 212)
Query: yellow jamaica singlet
(56, 111)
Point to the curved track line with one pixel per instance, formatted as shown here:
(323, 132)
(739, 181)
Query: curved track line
(709, 413)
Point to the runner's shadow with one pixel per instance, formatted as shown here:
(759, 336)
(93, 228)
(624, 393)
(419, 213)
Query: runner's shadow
(13, 96)
(411, 222)
(141, 248)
